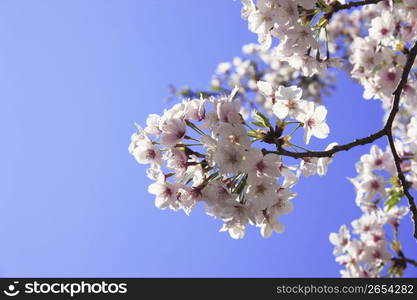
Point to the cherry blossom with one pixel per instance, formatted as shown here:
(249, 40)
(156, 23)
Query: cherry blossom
(229, 147)
(315, 124)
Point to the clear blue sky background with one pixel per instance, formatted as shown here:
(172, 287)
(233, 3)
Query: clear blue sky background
(74, 77)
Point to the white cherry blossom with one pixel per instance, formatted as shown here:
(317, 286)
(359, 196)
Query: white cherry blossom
(315, 124)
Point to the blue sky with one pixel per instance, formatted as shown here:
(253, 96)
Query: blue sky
(74, 77)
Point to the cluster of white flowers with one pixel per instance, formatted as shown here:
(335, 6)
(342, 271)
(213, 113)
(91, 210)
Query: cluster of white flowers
(368, 255)
(206, 150)
(379, 36)
(378, 199)
(290, 21)
(264, 65)
(202, 155)
(376, 40)
(287, 103)
(257, 64)
(370, 184)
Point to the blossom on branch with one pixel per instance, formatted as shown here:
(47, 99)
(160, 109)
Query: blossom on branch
(228, 147)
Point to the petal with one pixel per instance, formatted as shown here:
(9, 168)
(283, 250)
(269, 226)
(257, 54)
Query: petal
(265, 88)
(320, 113)
(295, 61)
(331, 145)
(289, 93)
(256, 20)
(307, 134)
(334, 238)
(271, 159)
(169, 139)
(266, 231)
(376, 151)
(161, 202)
(280, 109)
(305, 110)
(321, 131)
(279, 228)
(265, 40)
(155, 188)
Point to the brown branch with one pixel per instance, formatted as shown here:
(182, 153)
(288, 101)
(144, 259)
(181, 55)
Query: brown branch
(386, 131)
(328, 153)
(337, 6)
(403, 260)
(411, 262)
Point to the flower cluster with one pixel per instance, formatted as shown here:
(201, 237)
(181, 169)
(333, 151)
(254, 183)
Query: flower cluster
(287, 102)
(290, 21)
(257, 64)
(378, 36)
(206, 150)
(264, 65)
(378, 199)
(197, 154)
(367, 255)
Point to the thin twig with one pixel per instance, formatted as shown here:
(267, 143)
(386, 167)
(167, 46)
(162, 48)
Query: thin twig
(337, 6)
(328, 153)
(411, 261)
(352, 4)
(388, 129)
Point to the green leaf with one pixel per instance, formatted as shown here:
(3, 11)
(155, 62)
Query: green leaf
(259, 124)
(253, 134)
(322, 22)
(185, 92)
(260, 118)
(379, 268)
(396, 246)
(203, 94)
(216, 88)
(395, 196)
(396, 270)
